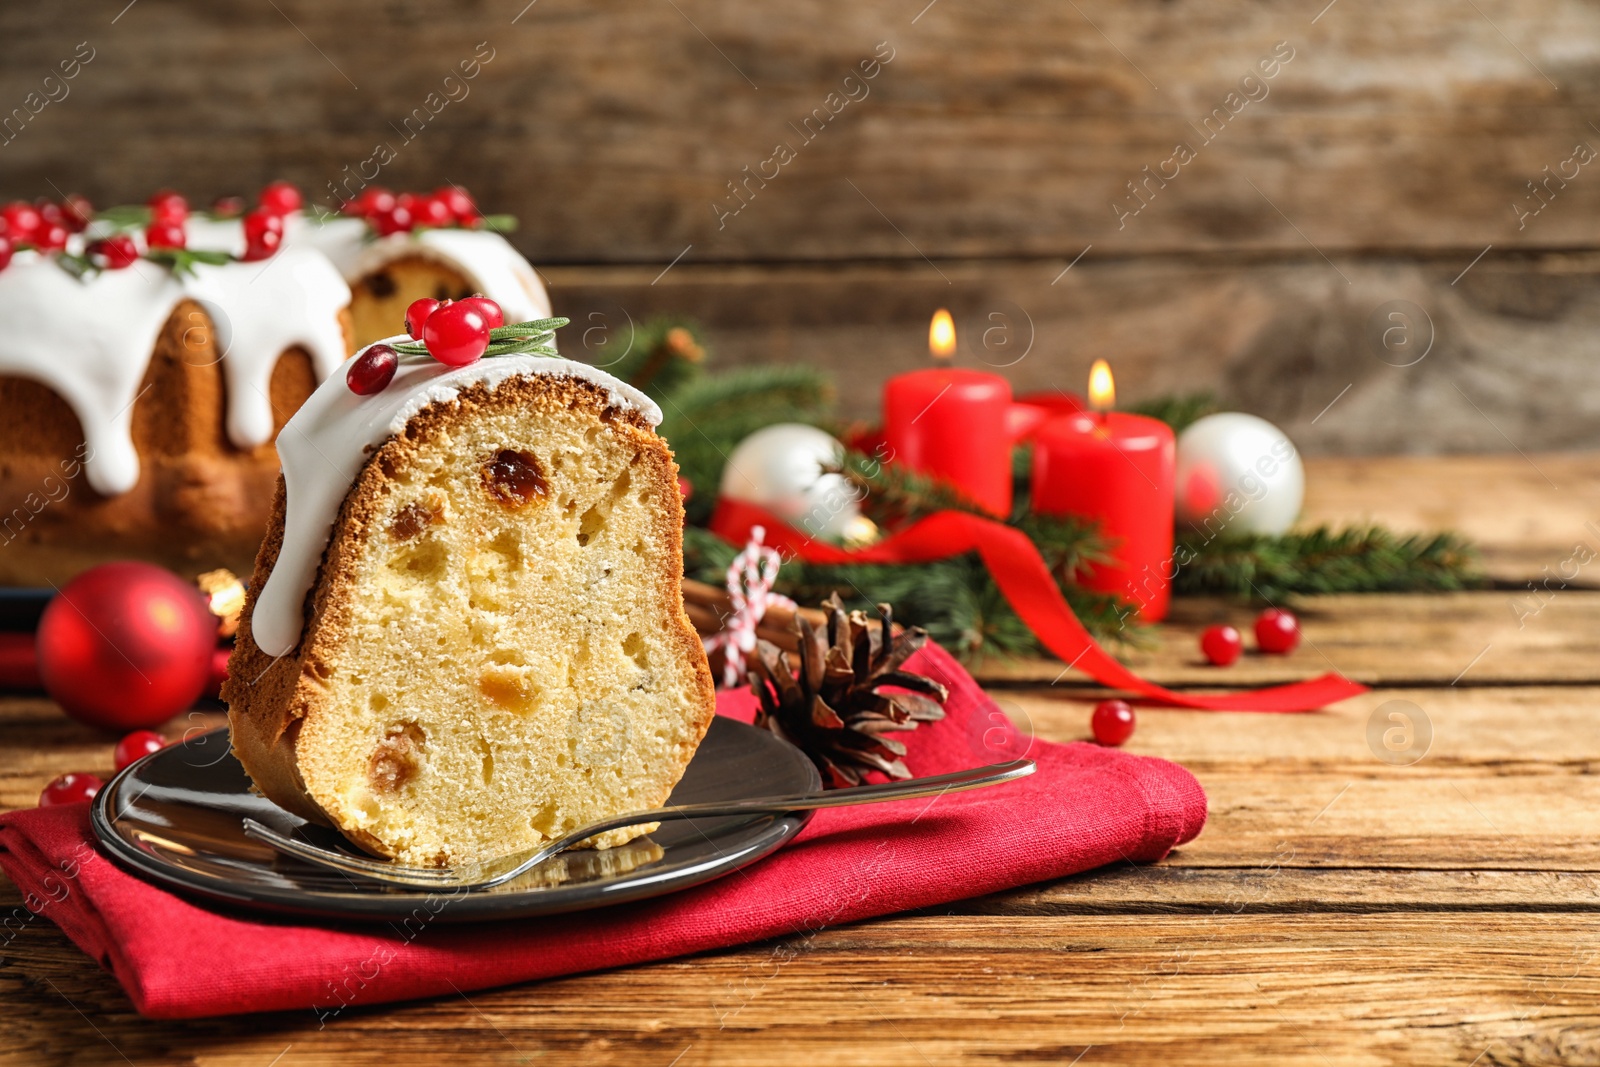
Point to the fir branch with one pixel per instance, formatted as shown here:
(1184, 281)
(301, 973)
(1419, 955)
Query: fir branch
(1368, 559)
(893, 494)
(536, 337)
(1179, 410)
(663, 355)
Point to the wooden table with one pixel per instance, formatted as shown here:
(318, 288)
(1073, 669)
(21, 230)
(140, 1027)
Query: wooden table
(1337, 909)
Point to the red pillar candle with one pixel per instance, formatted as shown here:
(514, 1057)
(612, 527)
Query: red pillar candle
(953, 424)
(1116, 469)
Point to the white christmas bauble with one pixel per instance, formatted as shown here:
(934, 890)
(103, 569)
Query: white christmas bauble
(1237, 474)
(781, 468)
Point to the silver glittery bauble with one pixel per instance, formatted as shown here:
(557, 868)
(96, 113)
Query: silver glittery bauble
(781, 468)
(1237, 474)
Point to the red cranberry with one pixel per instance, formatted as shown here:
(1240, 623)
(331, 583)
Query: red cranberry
(228, 207)
(71, 788)
(77, 212)
(460, 203)
(5, 252)
(49, 211)
(1112, 722)
(372, 371)
(418, 313)
(1221, 645)
(168, 206)
(431, 211)
(281, 198)
(166, 235)
(51, 237)
(372, 202)
(397, 219)
(263, 233)
(490, 310)
(115, 252)
(136, 746)
(22, 219)
(407, 201)
(456, 334)
(685, 487)
(1277, 631)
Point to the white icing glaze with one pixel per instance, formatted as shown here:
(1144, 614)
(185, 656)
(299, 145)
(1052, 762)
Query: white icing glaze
(487, 260)
(327, 442)
(260, 310)
(91, 340)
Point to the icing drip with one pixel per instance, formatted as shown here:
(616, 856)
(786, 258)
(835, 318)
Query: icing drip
(327, 442)
(488, 262)
(90, 341)
(261, 310)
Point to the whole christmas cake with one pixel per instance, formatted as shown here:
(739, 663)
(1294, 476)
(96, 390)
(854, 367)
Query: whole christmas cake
(466, 633)
(150, 355)
(141, 387)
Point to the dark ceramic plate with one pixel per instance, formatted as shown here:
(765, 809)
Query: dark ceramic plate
(176, 817)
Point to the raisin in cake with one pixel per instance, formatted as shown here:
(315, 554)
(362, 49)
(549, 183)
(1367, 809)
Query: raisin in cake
(466, 633)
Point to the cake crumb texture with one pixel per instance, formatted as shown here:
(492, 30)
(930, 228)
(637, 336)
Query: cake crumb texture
(496, 651)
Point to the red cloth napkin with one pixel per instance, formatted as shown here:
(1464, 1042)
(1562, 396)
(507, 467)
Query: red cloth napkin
(1084, 807)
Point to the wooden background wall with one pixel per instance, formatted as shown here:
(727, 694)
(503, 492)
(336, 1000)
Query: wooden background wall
(1387, 161)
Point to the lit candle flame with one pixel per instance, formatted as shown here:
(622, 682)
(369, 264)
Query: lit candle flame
(1102, 390)
(942, 335)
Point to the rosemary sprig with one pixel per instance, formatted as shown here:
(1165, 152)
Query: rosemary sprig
(536, 337)
(125, 216)
(181, 261)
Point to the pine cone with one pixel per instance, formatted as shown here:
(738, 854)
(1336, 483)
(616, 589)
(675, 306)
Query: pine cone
(834, 708)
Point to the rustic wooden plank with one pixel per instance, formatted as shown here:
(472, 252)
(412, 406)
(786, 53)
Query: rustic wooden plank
(1531, 516)
(1001, 129)
(1224, 989)
(1280, 887)
(1507, 346)
(1479, 638)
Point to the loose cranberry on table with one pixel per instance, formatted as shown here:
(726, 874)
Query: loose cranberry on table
(281, 198)
(115, 252)
(73, 788)
(456, 334)
(417, 314)
(168, 206)
(166, 235)
(372, 371)
(136, 746)
(1277, 631)
(491, 311)
(263, 234)
(1112, 722)
(1221, 645)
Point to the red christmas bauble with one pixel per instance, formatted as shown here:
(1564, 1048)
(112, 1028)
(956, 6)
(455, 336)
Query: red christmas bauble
(126, 645)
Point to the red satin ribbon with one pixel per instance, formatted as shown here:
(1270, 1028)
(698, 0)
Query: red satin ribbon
(1027, 584)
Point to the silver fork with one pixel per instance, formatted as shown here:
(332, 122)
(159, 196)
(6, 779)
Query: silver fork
(490, 873)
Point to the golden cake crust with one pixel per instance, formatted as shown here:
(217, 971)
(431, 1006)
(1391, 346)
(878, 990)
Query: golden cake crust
(270, 698)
